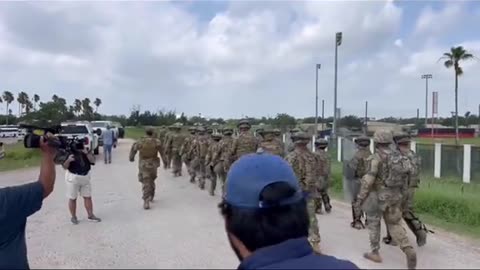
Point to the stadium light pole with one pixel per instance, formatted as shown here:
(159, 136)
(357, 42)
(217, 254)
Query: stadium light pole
(317, 67)
(426, 77)
(338, 42)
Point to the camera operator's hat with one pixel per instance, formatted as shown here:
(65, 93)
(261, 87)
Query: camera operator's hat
(252, 173)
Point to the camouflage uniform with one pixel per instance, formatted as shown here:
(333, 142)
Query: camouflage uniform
(162, 133)
(221, 155)
(172, 148)
(167, 138)
(244, 144)
(210, 163)
(185, 149)
(303, 162)
(270, 144)
(381, 195)
(358, 166)
(322, 169)
(408, 214)
(290, 142)
(199, 152)
(148, 148)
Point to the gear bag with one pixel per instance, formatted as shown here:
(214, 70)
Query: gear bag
(148, 148)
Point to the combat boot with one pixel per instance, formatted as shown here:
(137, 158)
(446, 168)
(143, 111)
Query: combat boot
(373, 256)
(326, 203)
(201, 184)
(411, 257)
(192, 179)
(211, 192)
(146, 204)
(389, 241)
(357, 224)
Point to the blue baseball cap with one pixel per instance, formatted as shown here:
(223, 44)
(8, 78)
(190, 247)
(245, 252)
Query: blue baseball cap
(249, 175)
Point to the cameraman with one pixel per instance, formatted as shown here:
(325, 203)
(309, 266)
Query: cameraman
(77, 177)
(19, 202)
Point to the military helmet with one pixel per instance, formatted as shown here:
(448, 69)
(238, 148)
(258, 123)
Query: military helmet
(228, 131)
(201, 129)
(217, 137)
(209, 130)
(383, 136)
(149, 130)
(244, 123)
(402, 138)
(362, 141)
(260, 130)
(321, 142)
(301, 137)
(277, 132)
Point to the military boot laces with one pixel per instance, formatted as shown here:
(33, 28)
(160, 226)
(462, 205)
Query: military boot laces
(411, 256)
(373, 256)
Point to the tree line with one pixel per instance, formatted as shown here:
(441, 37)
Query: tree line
(56, 109)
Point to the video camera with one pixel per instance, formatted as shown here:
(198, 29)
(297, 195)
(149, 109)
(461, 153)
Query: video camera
(65, 146)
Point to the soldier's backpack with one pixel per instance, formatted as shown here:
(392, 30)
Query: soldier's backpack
(148, 148)
(203, 148)
(399, 168)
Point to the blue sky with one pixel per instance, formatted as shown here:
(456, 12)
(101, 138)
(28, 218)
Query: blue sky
(227, 59)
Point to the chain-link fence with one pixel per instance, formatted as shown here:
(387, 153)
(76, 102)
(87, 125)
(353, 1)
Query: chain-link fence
(452, 162)
(426, 152)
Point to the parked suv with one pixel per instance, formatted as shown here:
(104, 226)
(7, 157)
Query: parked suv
(82, 130)
(101, 126)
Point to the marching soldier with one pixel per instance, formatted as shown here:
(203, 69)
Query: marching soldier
(148, 147)
(323, 180)
(221, 155)
(199, 151)
(210, 162)
(172, 148)
(381, 196)
(303, 162)
(358, 166)
(270, 144)
(244, 144)
(162, 133)
(185, 149)
(413, 222)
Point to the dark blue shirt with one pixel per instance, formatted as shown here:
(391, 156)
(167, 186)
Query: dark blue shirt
(16, 204)
(292, 254)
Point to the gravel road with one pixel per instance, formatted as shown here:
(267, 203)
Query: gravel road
(183, 229)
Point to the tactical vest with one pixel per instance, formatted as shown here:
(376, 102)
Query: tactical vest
(273, 147)
(399, 168)
(148, 148)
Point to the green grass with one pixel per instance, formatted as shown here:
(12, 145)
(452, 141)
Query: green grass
(448, 141)
(134, 132)
(444, 203)
(18, 157)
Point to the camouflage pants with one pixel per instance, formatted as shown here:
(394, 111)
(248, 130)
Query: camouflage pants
(198, 169)
(212, 175)
(408, 214)
(164, 159)
(324, 199)
(187, 162)
(147, 178)
(392, 214)
(313, 231)
(220, 172)
(176, 162)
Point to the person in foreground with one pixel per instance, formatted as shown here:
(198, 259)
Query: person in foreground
(266, 218)
(19, 202)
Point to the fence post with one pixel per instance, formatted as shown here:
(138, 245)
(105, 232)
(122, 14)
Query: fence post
(467, 159)
(284, 137)
(339, 149)
(313, 143)
(413, 146)
(372, 146)
(437, 167)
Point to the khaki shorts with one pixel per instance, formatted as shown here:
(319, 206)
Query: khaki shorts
(78, 184)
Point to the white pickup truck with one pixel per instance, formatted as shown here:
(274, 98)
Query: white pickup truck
(101, 126)
(82, 130)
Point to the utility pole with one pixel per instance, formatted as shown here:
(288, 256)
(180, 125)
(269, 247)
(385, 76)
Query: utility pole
(366, 118)
(426, 77)
(338, 42)
(418, 115)
(317, 67)
(323, 114)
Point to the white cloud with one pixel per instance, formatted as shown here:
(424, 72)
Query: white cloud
(254, 58)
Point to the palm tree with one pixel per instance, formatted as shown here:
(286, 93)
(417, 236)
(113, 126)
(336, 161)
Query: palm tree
(97, 103)
(36, 99)
(8, 98)
(452, 59)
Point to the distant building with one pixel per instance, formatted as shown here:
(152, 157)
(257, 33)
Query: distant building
(373, 126)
